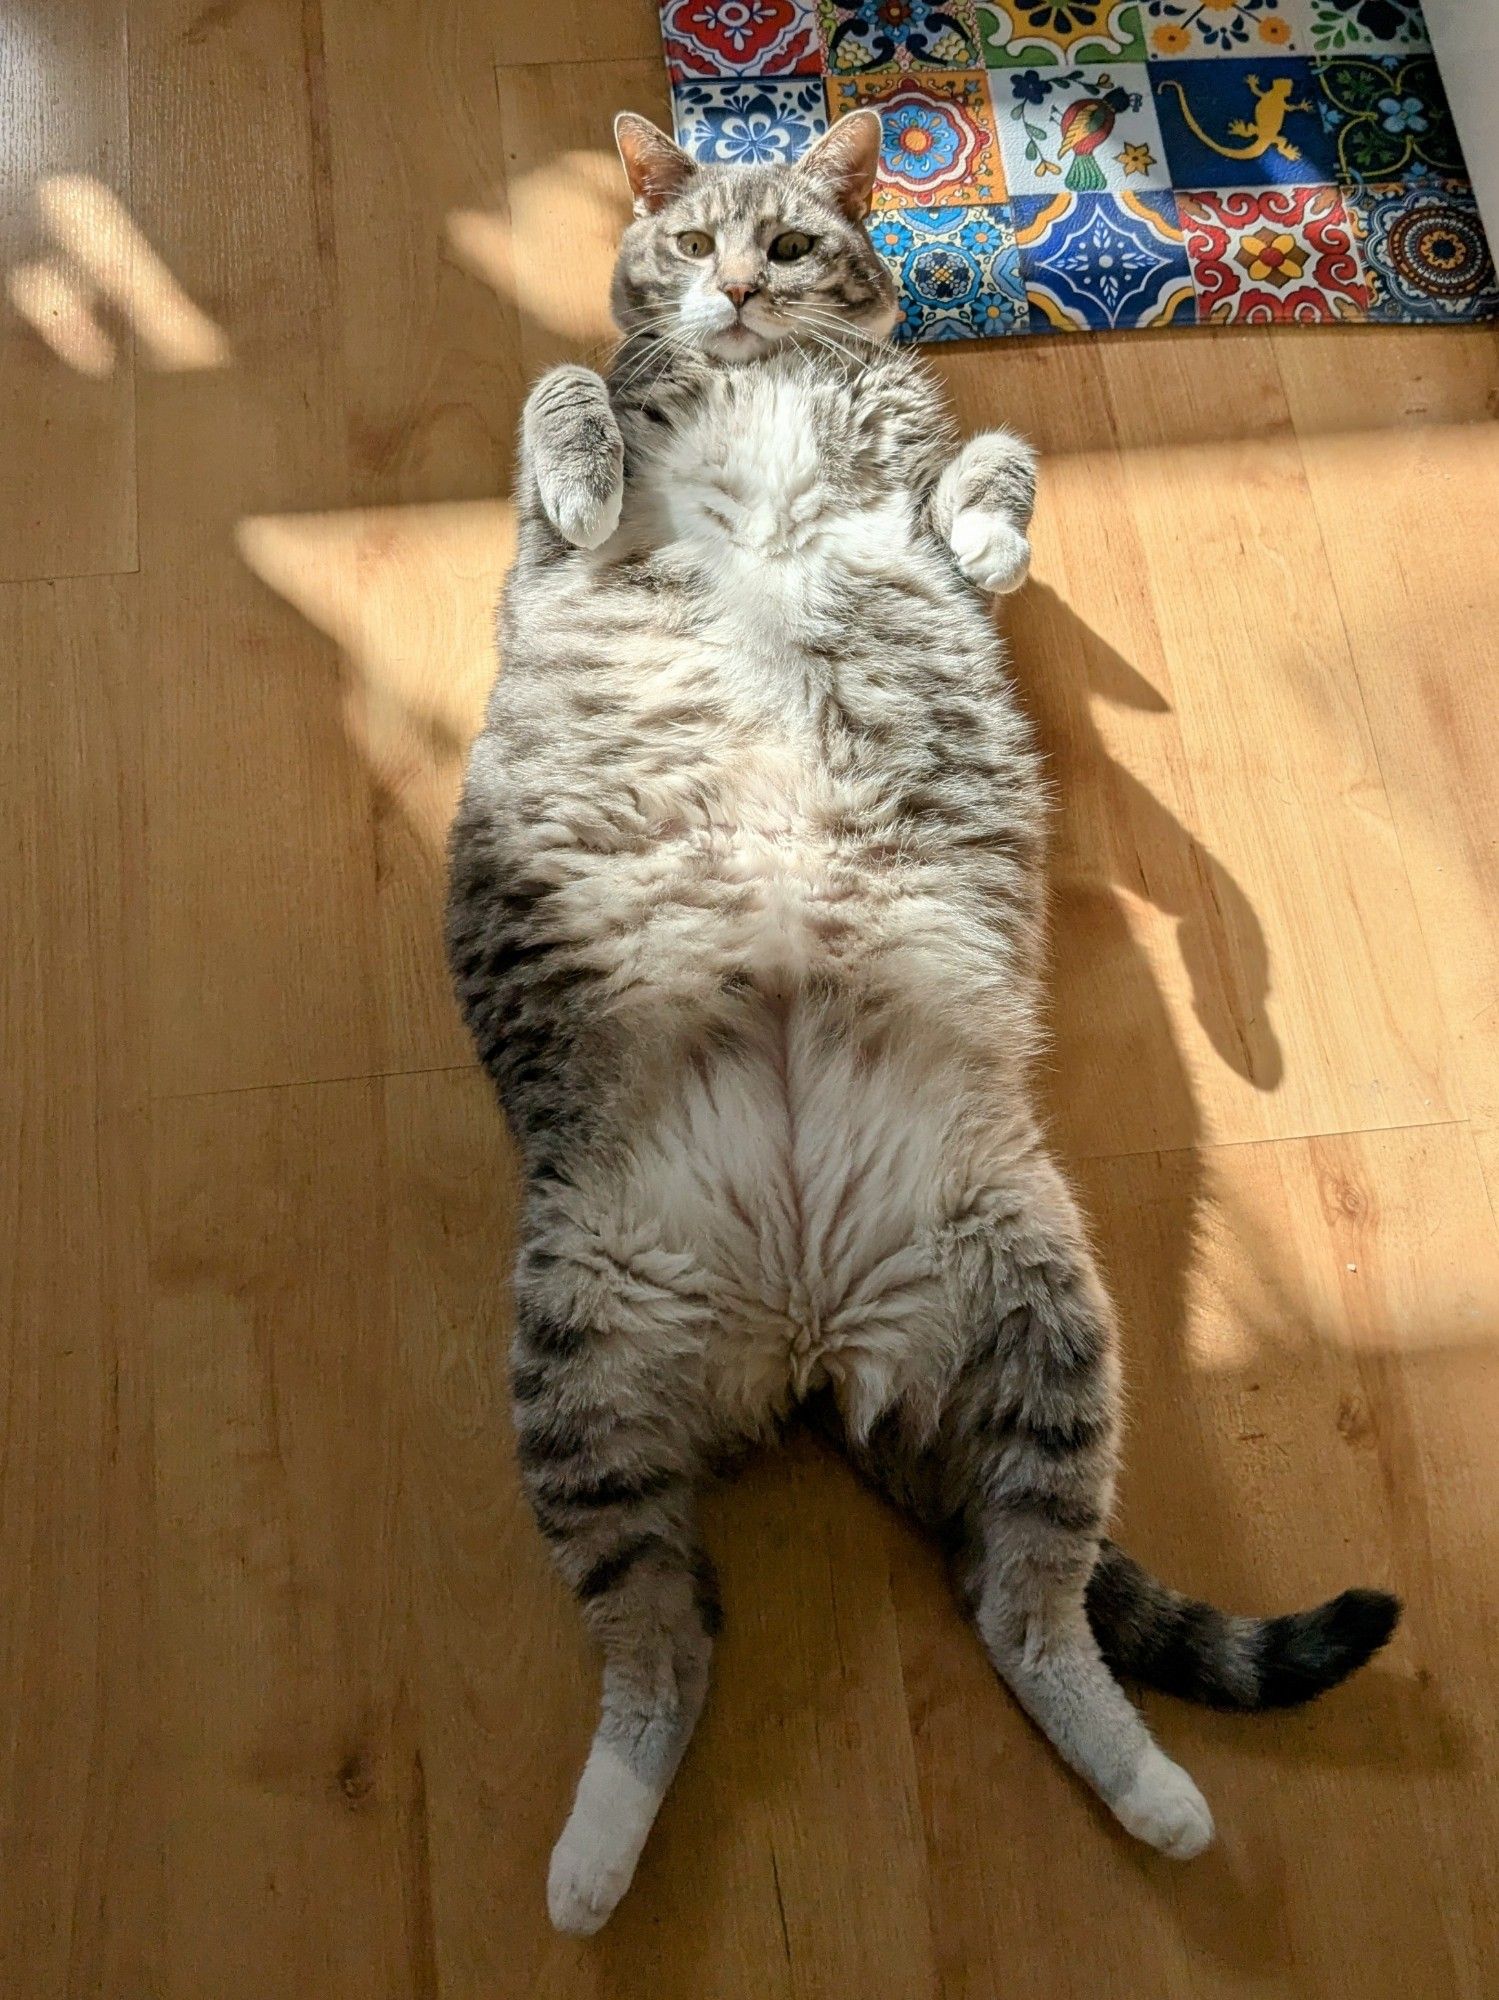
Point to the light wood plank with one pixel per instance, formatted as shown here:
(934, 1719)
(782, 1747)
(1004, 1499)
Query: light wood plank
(432, 376)
(407, 595)
(294, 1835)
(262, 885)
(1263, 883)
(1406, 516)
(572, 32)
(407, 582)
(67, 364)
(566, 202)
(79, 1887)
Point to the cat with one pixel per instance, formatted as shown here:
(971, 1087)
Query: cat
(746, 919)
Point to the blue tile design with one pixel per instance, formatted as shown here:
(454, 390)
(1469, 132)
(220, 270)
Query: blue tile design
(1425, 252)
(1242, 124)
(751, 121)
(1388, 119)
(1097, 261)
(958, 271)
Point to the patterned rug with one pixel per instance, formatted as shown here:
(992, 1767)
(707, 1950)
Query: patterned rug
(1067, 164)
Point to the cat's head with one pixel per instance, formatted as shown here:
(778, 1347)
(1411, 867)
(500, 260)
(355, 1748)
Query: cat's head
(732, 261)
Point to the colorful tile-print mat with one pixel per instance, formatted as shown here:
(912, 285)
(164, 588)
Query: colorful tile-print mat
(1099, 164)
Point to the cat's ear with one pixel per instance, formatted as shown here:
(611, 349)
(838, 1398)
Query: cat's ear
(655, 167)
(845, 160)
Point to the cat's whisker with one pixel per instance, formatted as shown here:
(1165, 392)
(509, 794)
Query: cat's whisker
(646, 326)
(643, 338)
(639, 370)
(825, 317)
(846, 328)
(650, 335)
(829, 340)
(656, 348)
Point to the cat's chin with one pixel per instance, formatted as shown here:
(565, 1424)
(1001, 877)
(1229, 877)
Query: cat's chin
(737, 343)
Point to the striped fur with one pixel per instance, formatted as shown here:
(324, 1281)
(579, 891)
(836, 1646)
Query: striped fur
(1153, 1634)
(746, 921)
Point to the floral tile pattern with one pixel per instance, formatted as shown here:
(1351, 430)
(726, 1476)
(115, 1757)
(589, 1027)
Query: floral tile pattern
(959, 271)
(1175, 28)
(1094, 261)
(1265, 254)
(740, 38)
(753, 121)
(1080, 129)
(1389, 117)
(1334, 25)
(940, 143)
(1027, 32)
(1425, 253)
(899, 34)
(1096, 165)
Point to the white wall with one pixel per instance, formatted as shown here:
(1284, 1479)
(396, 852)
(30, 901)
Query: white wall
(1465, 35)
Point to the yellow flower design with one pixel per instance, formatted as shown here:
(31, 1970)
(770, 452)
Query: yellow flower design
(1274, 29)
(1136, 158)
(1169, 39)
(1271, 256)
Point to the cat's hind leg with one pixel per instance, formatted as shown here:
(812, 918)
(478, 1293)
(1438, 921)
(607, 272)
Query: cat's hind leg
(610, 1472)
(1018, 1475)
(982, 509)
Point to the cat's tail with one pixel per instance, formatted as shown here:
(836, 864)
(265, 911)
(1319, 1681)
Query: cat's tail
(1150, 1633)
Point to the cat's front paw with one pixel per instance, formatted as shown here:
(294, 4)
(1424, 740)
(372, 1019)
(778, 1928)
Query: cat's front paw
(991, 552)
(576, 454)
(583, 509)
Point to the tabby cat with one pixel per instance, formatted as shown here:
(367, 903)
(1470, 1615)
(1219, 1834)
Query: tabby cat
(746, 920)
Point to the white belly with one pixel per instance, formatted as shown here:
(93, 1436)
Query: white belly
(748, 496)
(808, 1180)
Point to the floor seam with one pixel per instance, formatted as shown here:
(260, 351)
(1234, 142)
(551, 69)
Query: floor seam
(1270, 1139)
(308, 1082)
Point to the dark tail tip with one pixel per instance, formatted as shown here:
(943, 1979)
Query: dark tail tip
(1308, 1652)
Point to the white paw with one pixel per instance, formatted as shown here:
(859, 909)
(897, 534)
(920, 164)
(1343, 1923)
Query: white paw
(584, 1883)
(1164, 1808)
(991, 552)
(586, 519)
(593, 1862)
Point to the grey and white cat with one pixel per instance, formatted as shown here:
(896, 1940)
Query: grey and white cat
(746, 919)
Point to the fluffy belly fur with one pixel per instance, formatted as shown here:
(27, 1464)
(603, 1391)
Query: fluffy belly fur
(803, 1170)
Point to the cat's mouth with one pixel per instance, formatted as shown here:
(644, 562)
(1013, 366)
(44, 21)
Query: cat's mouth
(737, 342)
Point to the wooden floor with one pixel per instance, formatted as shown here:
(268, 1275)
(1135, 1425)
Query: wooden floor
(290, 1704)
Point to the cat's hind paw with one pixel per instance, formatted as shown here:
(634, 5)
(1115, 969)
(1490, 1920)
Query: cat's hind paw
(594, 1859)
(1165, 1809)
(584, 1884)
(990, 551)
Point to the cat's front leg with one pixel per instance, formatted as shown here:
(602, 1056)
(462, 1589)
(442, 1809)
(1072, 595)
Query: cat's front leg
(982, 508)
(575, 455)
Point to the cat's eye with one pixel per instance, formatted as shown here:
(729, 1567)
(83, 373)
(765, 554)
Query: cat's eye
(696, 243)
(790, 246)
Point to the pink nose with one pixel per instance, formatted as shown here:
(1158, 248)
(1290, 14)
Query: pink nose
(739, 293)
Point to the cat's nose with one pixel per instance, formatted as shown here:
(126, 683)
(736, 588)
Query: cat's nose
(738, 293)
